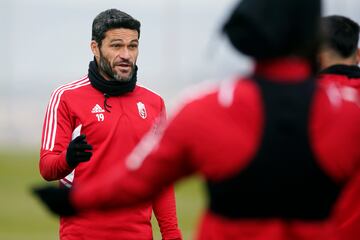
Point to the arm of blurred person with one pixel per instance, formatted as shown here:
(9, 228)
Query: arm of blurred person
(155, 163)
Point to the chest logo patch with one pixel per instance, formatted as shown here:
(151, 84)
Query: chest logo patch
(142, 110)
(97, 109)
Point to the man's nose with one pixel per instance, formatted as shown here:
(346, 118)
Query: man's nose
(124, 53)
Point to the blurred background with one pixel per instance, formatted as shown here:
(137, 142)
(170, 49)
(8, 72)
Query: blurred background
(47, 43)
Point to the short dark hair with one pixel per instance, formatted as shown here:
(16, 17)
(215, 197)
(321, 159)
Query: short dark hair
(341, 34)
(110, 19)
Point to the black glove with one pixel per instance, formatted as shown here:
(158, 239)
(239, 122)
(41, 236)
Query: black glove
(56, 199)
(78, 151)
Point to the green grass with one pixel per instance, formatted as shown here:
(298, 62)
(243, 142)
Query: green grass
(22, 216)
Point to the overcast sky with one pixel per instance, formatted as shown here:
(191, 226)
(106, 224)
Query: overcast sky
(46, 43)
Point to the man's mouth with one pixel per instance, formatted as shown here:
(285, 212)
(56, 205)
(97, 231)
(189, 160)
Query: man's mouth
(124, 67)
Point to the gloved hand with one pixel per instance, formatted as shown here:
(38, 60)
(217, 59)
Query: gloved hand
(78, 151)
(56, 199)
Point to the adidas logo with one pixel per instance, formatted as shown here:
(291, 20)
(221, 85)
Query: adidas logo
(97, 109)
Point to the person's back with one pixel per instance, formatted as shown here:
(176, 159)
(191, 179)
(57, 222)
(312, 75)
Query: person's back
(257, 188)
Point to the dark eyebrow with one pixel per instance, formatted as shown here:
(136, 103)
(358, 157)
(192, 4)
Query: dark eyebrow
(116, 40)
(132, 41)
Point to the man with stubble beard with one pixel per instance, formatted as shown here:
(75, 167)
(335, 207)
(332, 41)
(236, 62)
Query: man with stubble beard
(93, 123)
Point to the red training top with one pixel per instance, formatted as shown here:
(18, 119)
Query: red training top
(78, 108)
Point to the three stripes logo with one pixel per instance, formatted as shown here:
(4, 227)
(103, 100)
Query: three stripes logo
(97, 109)
(51, 123)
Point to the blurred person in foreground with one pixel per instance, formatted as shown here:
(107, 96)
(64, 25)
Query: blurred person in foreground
(93, 123)
(339, 58)
(271, 146)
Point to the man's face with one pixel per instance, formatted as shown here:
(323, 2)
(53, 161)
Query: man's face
(118, 54)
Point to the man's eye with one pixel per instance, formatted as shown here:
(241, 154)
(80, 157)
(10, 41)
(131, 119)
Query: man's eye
(115, 45)
(133, 46)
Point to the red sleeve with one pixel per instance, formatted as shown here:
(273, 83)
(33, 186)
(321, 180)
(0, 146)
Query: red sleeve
(155, 163)
(165, 211)
(56, 135)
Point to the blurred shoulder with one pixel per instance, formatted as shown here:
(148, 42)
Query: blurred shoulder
(339, 94)
(210, 95)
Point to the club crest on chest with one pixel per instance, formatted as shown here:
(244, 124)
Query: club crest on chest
(142, 110)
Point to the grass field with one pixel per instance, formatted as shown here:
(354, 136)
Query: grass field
(22, 217)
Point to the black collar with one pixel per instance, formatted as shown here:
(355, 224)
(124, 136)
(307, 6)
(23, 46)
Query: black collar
(351, 71)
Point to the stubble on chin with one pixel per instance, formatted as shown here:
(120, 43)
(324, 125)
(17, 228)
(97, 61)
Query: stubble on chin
(120, 78)
(106, 69)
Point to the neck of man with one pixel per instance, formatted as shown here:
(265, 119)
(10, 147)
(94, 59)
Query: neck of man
(330, 58)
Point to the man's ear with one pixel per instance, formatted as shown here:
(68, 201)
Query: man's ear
(322, 58)
(95, 48)
(358, 56)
